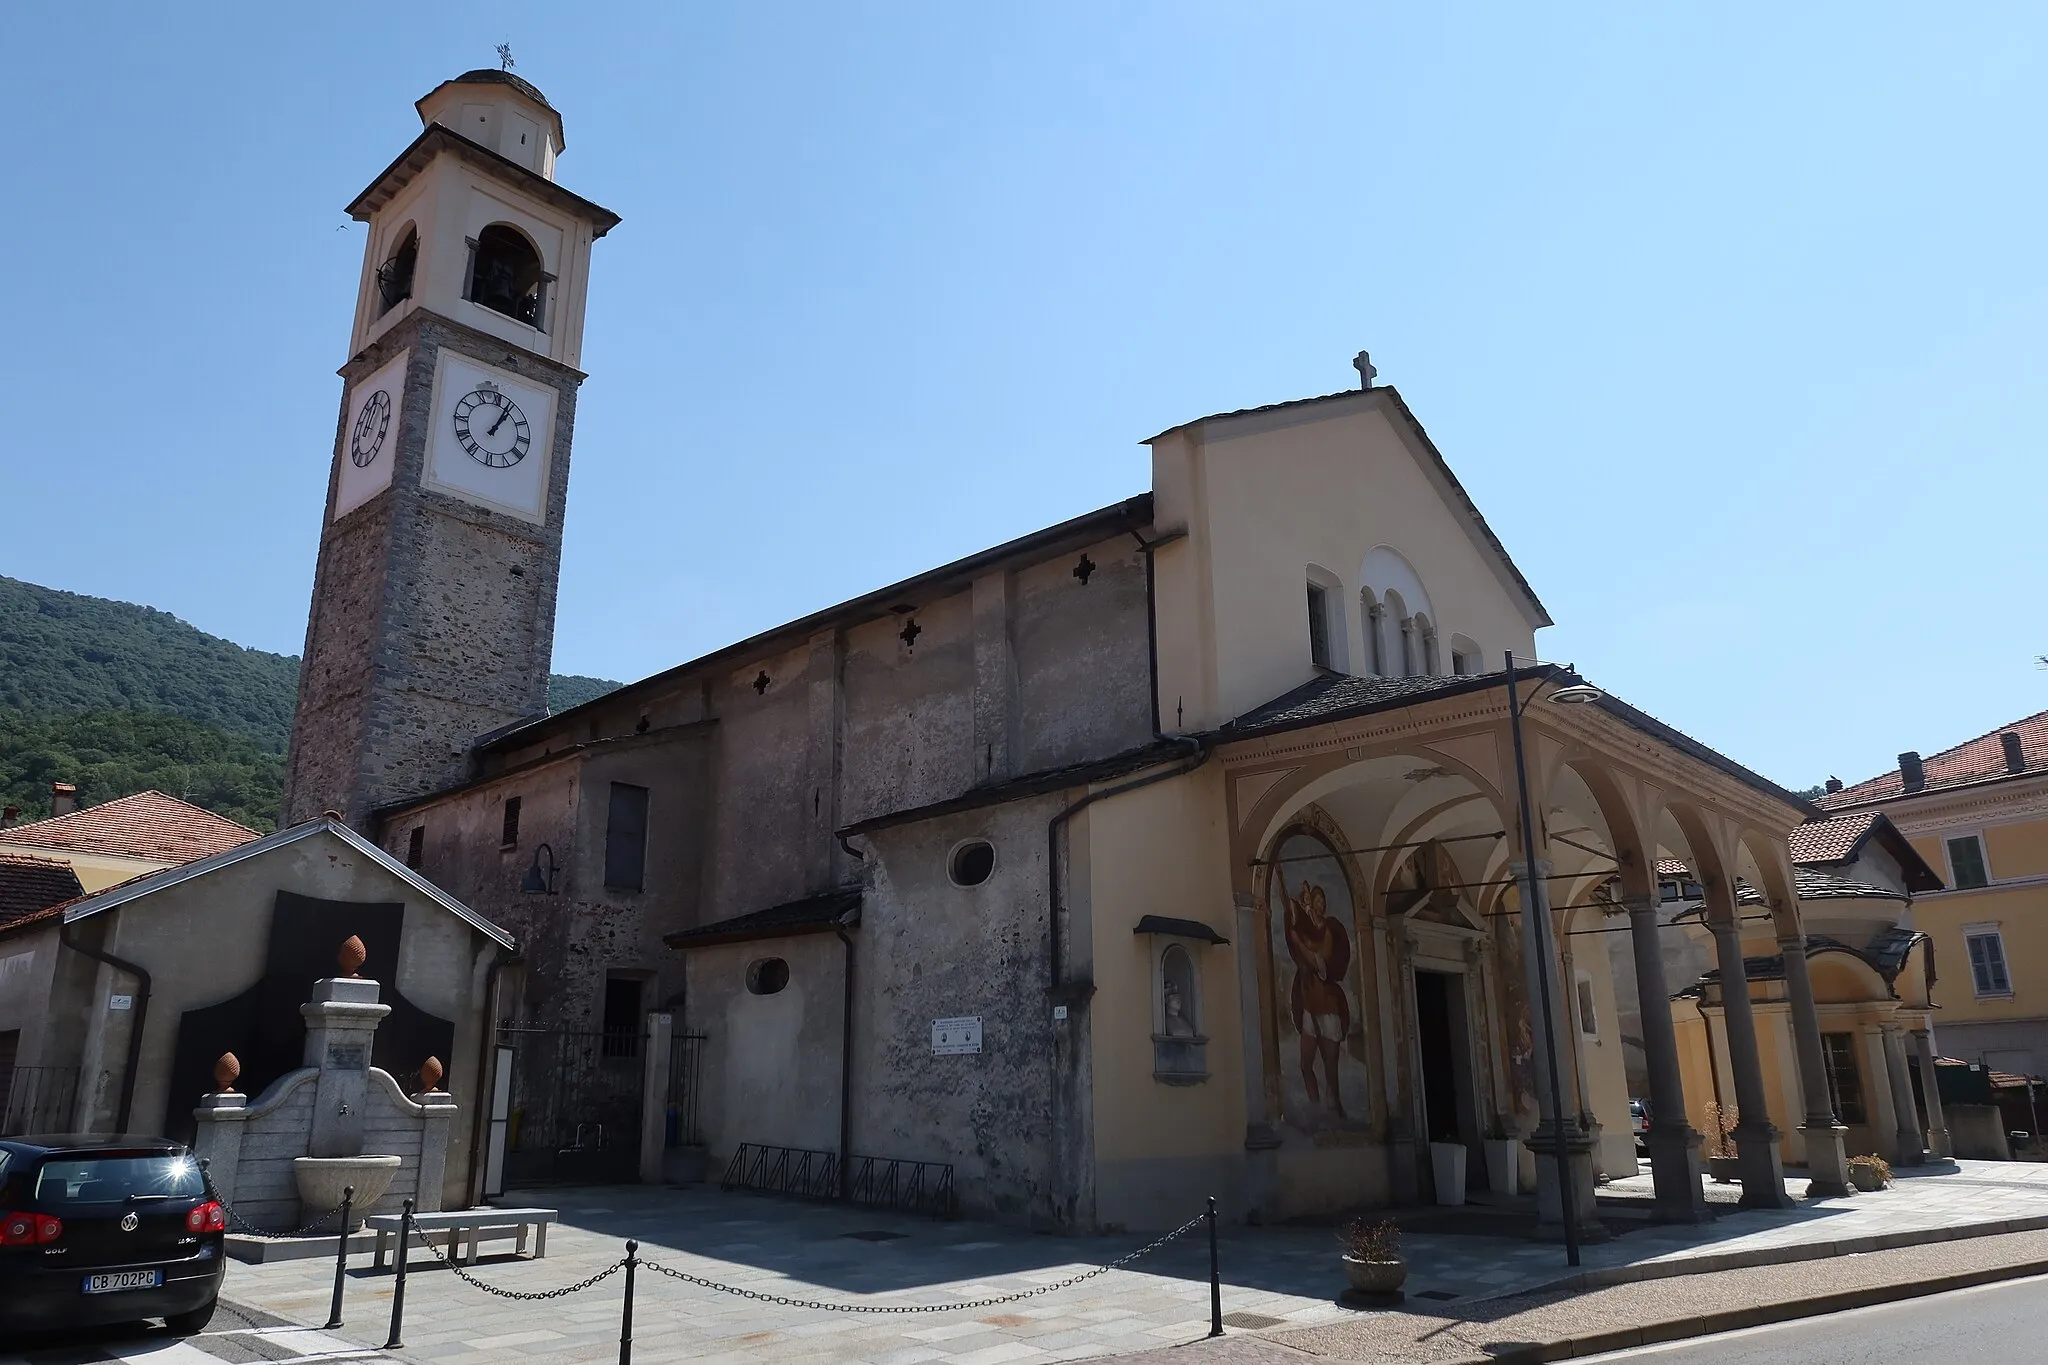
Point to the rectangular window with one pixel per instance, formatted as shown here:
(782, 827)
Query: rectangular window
(625, 838)
(1690, 891)
(415, 846)
(1589, 1020)
(1987, 962)
(1845, 1082)
(622, 1017)
(1318, 626)
(1667, 891)
(1966, 863)
(510, 834)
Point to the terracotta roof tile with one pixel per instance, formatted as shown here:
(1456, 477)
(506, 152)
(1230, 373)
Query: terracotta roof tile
(1830, 841)
(1673, 867)
(1971, 761)
(29, 884)
(146, 825)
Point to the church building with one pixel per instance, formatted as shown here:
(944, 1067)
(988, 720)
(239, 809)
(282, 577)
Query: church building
(1173, 850)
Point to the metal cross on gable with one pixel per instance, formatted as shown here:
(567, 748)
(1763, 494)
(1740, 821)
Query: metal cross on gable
(505, 62)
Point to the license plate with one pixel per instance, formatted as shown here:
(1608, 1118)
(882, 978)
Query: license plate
(115, 1280)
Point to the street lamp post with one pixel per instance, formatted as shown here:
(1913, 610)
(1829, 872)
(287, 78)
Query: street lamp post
(1537, 907)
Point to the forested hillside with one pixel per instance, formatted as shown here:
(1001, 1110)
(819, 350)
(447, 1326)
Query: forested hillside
(119, 698)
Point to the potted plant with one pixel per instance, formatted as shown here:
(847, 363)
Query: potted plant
(1372, 1257)
(1868, 1173)
(1503, 1159)
(1719, 1146)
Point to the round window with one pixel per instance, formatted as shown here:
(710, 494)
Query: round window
(767, 975)
(973, 863)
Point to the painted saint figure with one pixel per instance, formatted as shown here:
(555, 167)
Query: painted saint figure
(1322, 1011)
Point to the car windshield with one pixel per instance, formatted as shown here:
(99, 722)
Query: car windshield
(67, 1181)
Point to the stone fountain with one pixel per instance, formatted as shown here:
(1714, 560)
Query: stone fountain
(285, 1158)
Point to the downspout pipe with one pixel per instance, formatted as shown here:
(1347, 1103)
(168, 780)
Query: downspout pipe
(846, 1062)
(1196, 756)
(142, 985)
(1152, 612)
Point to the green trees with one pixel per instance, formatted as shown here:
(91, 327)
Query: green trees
(118, 698)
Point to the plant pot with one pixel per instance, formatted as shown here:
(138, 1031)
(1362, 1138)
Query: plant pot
(1726, 1170)
(1504, 1165)
(1375, 1277)
(1447, 1161)
(1866, 1178)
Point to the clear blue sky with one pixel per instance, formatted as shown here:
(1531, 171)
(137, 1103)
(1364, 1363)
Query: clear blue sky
(1730, 318)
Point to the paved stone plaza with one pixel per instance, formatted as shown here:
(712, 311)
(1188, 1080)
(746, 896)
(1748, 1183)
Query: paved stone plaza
(1274, 1278)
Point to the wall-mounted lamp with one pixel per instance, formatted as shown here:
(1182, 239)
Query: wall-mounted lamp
(536, 881)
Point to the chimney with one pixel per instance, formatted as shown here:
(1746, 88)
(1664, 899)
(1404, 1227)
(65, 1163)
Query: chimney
(2015, 761)
(10, 816)
(1911, 774)
(63, 798)
(1833, 785)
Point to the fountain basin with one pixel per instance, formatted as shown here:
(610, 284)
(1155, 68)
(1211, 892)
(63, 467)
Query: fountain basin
(322, 1178)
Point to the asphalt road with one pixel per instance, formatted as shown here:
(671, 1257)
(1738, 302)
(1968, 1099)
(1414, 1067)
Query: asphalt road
(1996, 1324)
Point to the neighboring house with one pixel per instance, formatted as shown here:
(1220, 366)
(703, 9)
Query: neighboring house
(30, 1098)
(124, 998)
(1978, 813)
(126, 837)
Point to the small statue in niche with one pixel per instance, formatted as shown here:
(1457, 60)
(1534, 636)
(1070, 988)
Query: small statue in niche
(1177, 1025)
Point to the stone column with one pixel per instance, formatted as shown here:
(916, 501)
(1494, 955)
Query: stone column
(218, 1141)
(1756, 1138)
(1911, 1149)
(1930, 1088)
(1261, 1132)
(1558, 1137)
(437, 1118)
(1405, 1152)
(1826, 1162)
(341, 1024)
(1673, 1143)
(654, 1096)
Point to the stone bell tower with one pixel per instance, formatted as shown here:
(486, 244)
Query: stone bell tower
(433, 609)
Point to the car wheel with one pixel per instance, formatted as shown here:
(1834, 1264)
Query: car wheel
(186, 1324)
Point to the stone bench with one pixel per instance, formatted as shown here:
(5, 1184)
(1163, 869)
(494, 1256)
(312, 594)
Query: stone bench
(478, 1224)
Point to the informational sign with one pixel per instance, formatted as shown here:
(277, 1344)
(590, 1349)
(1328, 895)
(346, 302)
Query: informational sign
(347, 1057)
(1059, 1012)
(952, 1037)
(120, 1002)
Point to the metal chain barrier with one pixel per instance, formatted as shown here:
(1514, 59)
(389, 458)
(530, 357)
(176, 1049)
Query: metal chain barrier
(1067, 1283)
(614, 1268)
(244, 1225)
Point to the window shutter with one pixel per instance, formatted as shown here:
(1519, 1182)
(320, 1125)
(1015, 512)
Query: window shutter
(625, 838)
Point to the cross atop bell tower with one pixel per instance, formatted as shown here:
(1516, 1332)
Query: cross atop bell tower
(433, 610)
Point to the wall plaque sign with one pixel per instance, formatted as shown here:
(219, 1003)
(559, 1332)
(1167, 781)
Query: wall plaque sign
(347, 1057)
(120, 1002)
(953, 1037)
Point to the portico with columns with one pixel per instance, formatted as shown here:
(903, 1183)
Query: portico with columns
(1390, 808)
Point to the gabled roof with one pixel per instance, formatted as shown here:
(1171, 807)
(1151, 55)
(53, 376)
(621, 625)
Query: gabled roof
(817, 914)
(1354, 400)
(1841, 839)
(1974, 760)
(29, 884)
(147, 825)
(149, 883)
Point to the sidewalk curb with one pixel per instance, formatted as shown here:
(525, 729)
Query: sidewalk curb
(1780, 1255)
(1735, 1319)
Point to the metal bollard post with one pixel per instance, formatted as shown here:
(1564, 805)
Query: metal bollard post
(348, 1197)
(626, 1323)
(1215, 1277)
(398, 1289)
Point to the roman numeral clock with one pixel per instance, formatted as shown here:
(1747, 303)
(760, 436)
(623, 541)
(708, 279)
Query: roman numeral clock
(432, 620)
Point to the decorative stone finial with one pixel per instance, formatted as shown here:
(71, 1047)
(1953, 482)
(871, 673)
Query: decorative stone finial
(431, 1072)
(224, 1073)
(352, 955)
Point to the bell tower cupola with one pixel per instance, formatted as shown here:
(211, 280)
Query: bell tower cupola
(433, 612)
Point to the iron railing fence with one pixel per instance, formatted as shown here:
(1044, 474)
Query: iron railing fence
(872, 1182)
(37, 1099)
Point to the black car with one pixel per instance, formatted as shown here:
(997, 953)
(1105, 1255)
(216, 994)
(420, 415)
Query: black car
(99, 1230)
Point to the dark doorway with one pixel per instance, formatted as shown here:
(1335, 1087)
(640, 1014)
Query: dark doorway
(1440, 1062)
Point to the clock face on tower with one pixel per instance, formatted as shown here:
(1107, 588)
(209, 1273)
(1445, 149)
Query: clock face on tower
(372, 424)
(491, 439)
(491, 427)
(369, 436)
